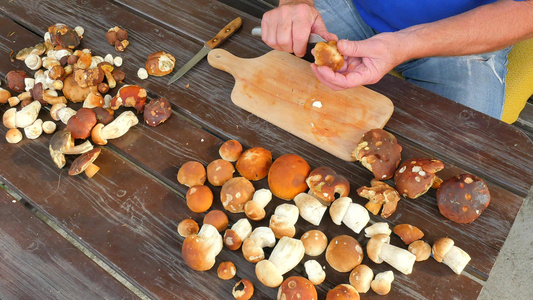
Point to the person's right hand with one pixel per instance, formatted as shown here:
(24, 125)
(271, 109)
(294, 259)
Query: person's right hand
(287, 27)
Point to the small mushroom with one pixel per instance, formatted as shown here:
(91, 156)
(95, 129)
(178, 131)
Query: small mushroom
(157, 111)
(4, 95)
(81, 124)
(218, 171)
(286, 255)
(286, 176)
(192, 173)
(255, 208)
(344, 253)
(200, 250)
(89, 77)
(252, 247)
(283, 221)
(13, 136)
(101, 133)
(199, 198)
(34, 130)
(415, 176)
(356, 217)
(420, 249)
(380, 195)
(94, 99)
(310, 208)
(235, 193)
(254, 163)
(444, 251)
(343, 292)
(379, 152)
(327, 54)
(326, 183)
(463, 198)
(361, 277)
(297, 287)
(240, 231)
(8, 118)
(226, 270)
(85, 162)
(315, 242)
(130, 96)
(33, 61)
(338, 209)
(243, 290)
(379, 250)
(188, 227)
(62, 143)
(314, 272)
(230, 150)
(217, 218)
(408, 233)
(377, 228)
(160, 63)
(382, 283)
(103, 115)
(108, 69)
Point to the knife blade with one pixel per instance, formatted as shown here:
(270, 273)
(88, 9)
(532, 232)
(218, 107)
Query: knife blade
(221, 36)
(313, 37)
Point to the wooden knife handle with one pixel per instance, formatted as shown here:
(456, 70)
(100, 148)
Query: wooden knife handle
(223, 34)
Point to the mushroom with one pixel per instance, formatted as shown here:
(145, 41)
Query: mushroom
(13, 136)
(420, 249)
(107, 69)
(191, 173)
(217, 218)
(27, 115)
(310, 208)
(88, 77)
(254, 163)
(240, 231)
(338, 209)
(283, 220)
(252, 248)
(444, 251)
(62, 143)
(315, 242)
(255, 209)
(243, 290)
(377, 228)
(379, 250)
(199, 198)
(463, 198)
(380, 195)
(118, 37)
(188, 227)
(34, 130)
(286, 177)
(200, 250)
(15, 80)
(226, 270)
(81, 124)
(343, 292)
(325, 183)
(230, 150)
(4, 95)
(379, 152)
(356, 217)
(85, 163)
(314, 272)
(33, 61)
(103, 115)
(8, 118)
(297, 287)
(408, 233)
(286, 255)
(157, 111)
(74, 92)
(64, 36)
(130, 96)
(235, 193)
(344, 253)
(219, 171)
(361, 277)
(327, 54)
(160, 63)
(415, 176)
(381, 285)
(101, 133)
(94, 99)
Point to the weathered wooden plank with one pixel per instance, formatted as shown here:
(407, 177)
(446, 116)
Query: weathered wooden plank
(37, 263)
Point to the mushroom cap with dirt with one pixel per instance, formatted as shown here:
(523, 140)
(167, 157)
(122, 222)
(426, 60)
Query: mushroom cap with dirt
(325, 184)
(415, 176)
(192, 173)
(85, 163)
(297, 287)
(379, 152)
(235, 193)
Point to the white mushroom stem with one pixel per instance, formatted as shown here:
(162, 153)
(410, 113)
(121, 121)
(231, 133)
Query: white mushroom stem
(242, 228)
(252, 247)
(310, 208)
(27, 115)
(212, 239)
(377, 228)
(283, 220)
(287, 254)
(456, 258)
(314, 271)
(9, 118)
(117, 128)
(379, 250)
(338, 209)
(356, 217)
(255, 209)
(34, 130)
(65, 114)
(262, 197)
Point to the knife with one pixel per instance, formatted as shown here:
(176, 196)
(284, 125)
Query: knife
(313, 37)
(223, 34)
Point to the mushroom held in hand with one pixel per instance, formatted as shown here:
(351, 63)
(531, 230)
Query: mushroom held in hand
(343, 292)
(463, 198)
(297, 288)
(327, 54)
(415, 176)
(380, 195)
(454, 257)
(84, 162)
(379, 152)
(286, 177)
(325, 183)
(199, 251)
(254, 163)
(344, 253)
(117, 128)
(235, 193)
(379, 250)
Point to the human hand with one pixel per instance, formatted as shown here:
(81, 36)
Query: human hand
(366, 62)
(287, 27)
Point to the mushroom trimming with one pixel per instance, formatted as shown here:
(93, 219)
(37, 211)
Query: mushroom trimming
(444, 251)
(380, 195)
(286, 255)
(379, 250)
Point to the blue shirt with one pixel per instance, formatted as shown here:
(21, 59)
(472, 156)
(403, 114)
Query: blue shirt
(393, 15)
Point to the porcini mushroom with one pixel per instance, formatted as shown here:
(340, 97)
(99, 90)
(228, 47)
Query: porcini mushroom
(226, 270)
(343, 292)
(117, 128)
(34, 130)
(160, 63)
(62, 143)
(199, 198)
(415, 176)
(200, 250)
(377, 228)
(420, 249)
(157, 111)
(252, 247)
(286, 255)
(255, 209)
(243, 290)
(325, 183)
(408, 233)
(130, 96)
(81, 124)
(219, 171)
(286, 176)
(444, 251)
(192, 173)
(344, 253)
(310, 208)
(9, 118)
(315, 242)
(361, 277)
(27, 115)
(188, 227)
(235, 193)
(382, 283)
(254, 163)
(230, 150)
(379, 152)
(338, 209)
(85, 163)
(218, 219)
(283, 220)
(297, 287)
(240, 231)
(356, 217)
(13, 136)
(379, 250)
(314, 272)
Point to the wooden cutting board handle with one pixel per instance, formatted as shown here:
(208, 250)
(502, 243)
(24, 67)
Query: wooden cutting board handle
(282, 89)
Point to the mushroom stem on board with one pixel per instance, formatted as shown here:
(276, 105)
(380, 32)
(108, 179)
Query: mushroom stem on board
(454, 257)
(379, 250)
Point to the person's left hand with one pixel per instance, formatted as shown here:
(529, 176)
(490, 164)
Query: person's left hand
(366, 62)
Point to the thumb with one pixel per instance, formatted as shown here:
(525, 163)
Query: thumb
(320, 28)
(351, 48)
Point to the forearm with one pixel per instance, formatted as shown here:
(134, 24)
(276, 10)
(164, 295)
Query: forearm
(484, 29)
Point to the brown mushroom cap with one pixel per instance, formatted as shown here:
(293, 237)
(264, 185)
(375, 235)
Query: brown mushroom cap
(15, 80)
(231, 150)
(81, 124)
(188, 227)
(64, 36)
(327, 54)
(218, 219)
(160, 63)
(380, 195)
(315, 242)
(441, 247)
(379, 152)
(420, 249)
(296, 288)
(463, 198)
(73, 91)
(235, 193)
(232, 240)
(286, 177)
(344, 253)
(192, 173)
(408, 233)
(219, 172)
(243, 290)
(82, 162)
(325, 183)
(157, 111)
(416, 175)
(130, 96)
(361, 277)
(254, 163)
(199, 198)
(103, 115)
(343, 292)
(226, 270)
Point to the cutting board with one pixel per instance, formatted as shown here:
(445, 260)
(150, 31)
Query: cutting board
(283, 90)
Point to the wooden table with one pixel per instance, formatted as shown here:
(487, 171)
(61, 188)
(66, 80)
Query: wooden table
(126, 216)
